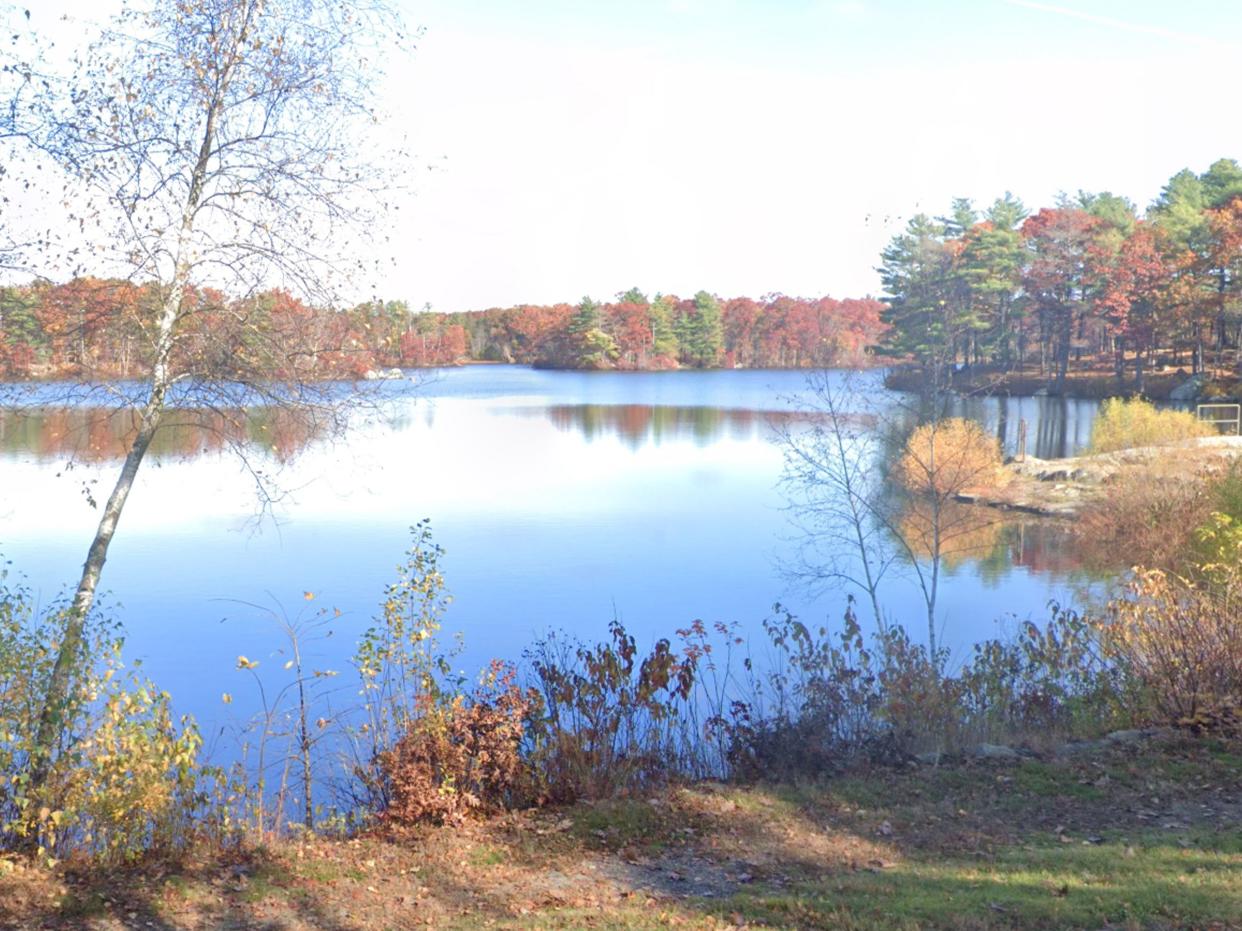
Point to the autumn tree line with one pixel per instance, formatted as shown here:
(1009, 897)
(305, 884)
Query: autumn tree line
(633, 332)
(1088, 279)
(91, 327)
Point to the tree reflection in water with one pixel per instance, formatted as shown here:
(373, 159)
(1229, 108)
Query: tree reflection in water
(89, 434)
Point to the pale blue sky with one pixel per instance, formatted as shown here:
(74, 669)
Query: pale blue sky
(568, 148)
(745, 146)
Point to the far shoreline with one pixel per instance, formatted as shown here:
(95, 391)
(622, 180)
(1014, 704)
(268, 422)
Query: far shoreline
(1093, 385)
(1081, 385)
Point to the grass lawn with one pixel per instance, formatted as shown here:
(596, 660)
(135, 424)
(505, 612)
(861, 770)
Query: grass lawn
(1144, 836)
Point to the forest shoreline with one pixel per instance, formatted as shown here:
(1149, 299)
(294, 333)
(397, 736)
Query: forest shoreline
(980, 382)
(380, 374)
(986, 381)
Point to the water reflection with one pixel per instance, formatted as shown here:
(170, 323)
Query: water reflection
(91, 434)
(562, 499)
(638, 424)
(1055, 427)
(1039, 546)
(964, 533)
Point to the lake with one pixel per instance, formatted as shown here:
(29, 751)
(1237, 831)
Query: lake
(562, 500)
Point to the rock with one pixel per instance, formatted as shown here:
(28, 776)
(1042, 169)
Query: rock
(1189, 389)
(931, 758)
(383, 374)
(1076, 747)
(995, 752)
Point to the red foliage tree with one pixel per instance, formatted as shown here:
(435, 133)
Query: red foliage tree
(629, 324)
(1063, 253)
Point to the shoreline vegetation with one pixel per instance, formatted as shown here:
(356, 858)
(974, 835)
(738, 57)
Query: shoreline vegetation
(1062, 488)
(1133, 443)
(1177, 385)
(89, 331)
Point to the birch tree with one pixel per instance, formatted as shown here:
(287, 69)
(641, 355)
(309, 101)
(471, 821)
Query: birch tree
(213, 143)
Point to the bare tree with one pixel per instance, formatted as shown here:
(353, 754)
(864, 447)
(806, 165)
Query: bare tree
(870, 496)
(832, 485)
(225, 143)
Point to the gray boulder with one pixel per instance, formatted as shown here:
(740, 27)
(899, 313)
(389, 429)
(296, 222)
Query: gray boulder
(1189, 389)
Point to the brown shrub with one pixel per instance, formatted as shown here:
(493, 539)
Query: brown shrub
(461, 755)
(615, 720)
(1147, 517)
(1183, 642)
(834, 697)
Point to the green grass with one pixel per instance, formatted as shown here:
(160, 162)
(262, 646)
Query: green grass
(1045, 781)
(861, 793)
(82, 905)
(1226, 759)
(322, 871)
(264, 883)
(487, 855)
(620, 822)
(1130, 837)
(1041, 885)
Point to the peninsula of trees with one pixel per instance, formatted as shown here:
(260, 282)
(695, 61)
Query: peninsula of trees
(1086, 282)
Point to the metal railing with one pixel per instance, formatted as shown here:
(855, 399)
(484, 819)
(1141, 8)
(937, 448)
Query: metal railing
(1227, 418)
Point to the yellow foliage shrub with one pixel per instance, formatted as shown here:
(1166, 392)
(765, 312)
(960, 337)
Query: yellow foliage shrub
(122, 779)
(132, 788)
(1127, 424)
(951, 456)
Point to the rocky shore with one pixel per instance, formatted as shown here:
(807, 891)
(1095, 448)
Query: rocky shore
(1061, 487)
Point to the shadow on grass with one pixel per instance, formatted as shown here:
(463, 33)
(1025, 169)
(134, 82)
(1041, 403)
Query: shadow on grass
(1071, 888)
(224, 893)
(1127, 839)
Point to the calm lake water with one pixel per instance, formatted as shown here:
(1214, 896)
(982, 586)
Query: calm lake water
(562, 500)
